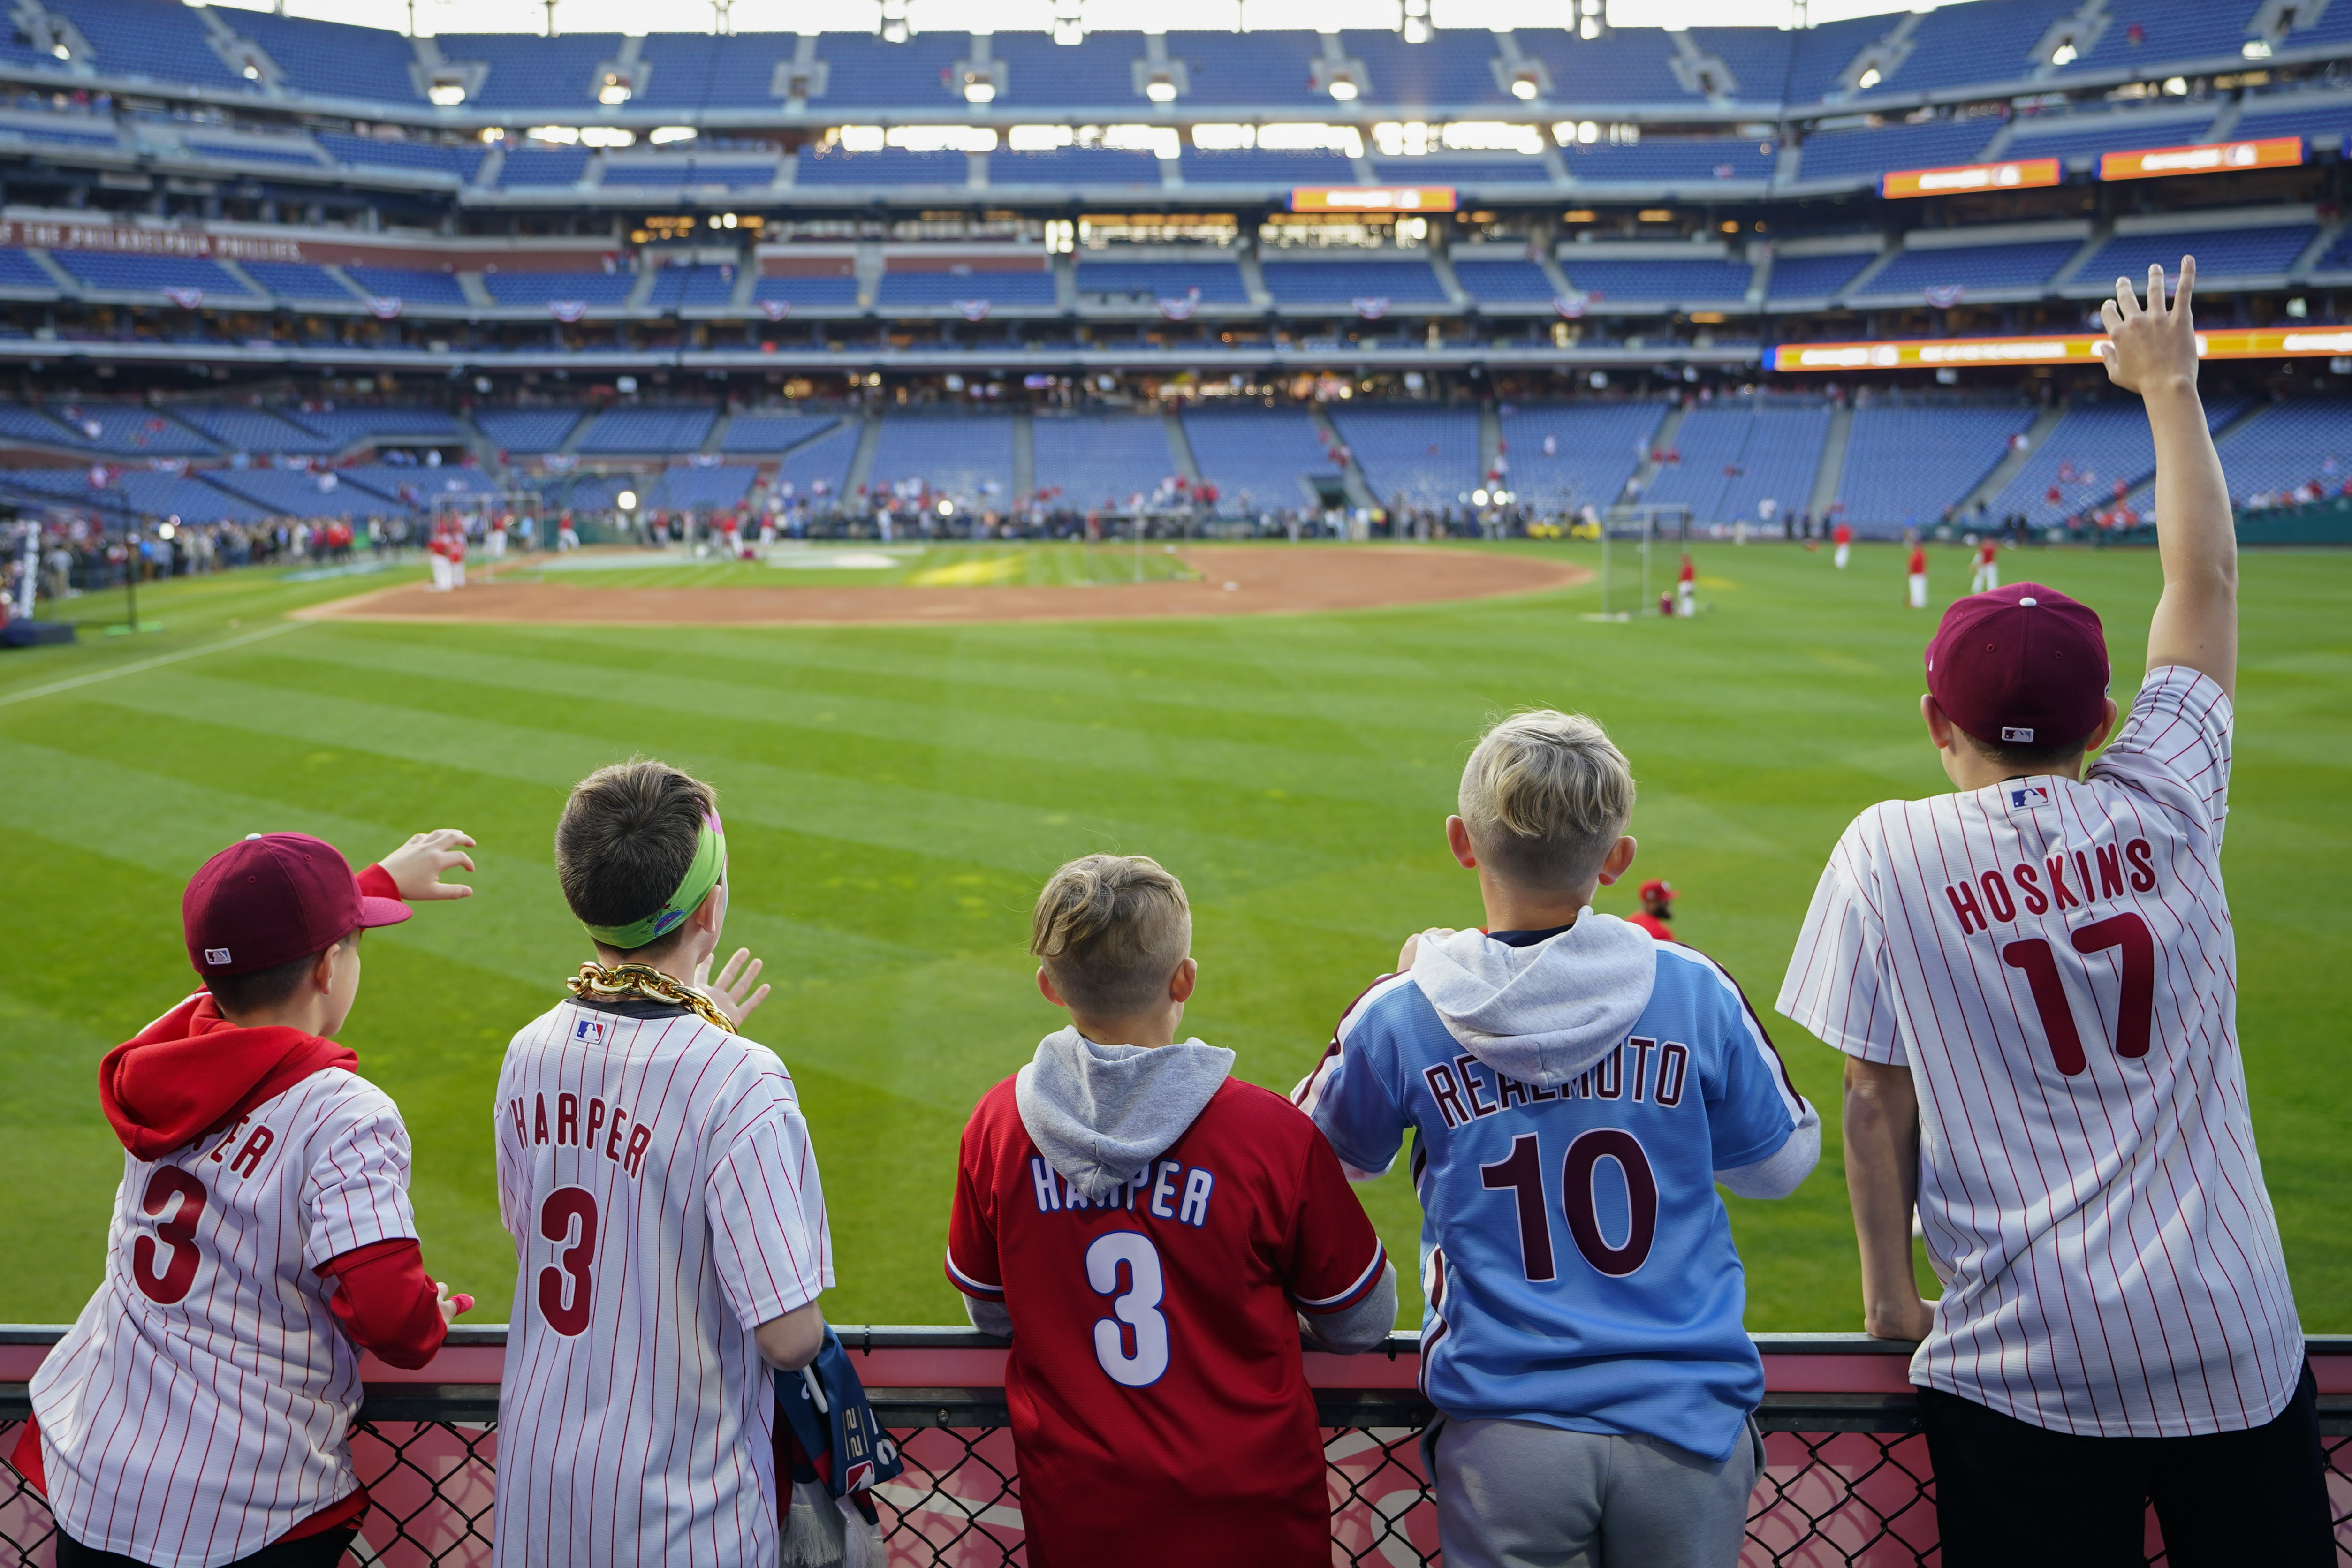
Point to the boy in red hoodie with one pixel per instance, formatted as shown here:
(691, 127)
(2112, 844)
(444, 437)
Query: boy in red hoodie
(198, 1412)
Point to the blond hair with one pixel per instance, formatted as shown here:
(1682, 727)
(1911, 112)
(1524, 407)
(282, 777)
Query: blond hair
(1545, 795)
(1111, 930)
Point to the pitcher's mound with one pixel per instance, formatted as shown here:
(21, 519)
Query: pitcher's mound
(1271, 579)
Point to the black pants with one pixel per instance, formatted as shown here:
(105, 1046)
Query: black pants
(324, 1550)
(2009, 1494)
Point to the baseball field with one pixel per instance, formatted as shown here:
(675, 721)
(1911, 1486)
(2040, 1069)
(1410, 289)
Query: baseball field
(895, 793)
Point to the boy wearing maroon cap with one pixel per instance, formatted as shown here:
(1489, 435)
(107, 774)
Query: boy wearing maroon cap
(198, 1411)
(2033, 980)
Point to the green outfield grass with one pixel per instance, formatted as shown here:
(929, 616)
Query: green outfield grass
(894, 796)
(862, 565)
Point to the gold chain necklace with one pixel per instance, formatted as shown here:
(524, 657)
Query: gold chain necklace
(595, 983)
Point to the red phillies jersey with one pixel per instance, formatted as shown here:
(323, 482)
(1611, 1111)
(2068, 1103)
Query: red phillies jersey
(1842, 535)
(1159, 1404)
(1919, 561)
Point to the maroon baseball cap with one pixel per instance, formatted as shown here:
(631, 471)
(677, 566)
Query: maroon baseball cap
(2022, 665)
(273, 898)
(1657, 887)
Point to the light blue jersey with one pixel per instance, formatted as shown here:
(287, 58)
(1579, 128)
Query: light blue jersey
(1576, 1259)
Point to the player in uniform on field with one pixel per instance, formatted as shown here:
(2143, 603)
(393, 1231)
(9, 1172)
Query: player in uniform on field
(656, 1176)
(1154, 1233)
(2034, 981)
(1686, 588)
(199, 1411)
(1576, 1088)
(1986, 576)
(1657, 908)
(1916, 572)
(1843, 536)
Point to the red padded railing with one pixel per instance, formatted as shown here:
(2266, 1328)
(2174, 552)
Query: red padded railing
(1846, 1482)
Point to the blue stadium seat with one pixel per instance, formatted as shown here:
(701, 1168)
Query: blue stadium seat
(1818, 56)
(1099, 460)
(2285, 444)
(1097, 166)
(823, 464)
(130, 430)
(1596, 447)
(544, 166)
(1261, 167)
(605, 289)
(149, 274)
(2087, 135)
(1096, 73)
(692, 287)
(300, 281)
(2168, 30)
(1815, 277)
(526, 430)
(1735, 457)
(1758, 58)
(2093, 445)
(346, 425)
(411, 286)
(1984, 43)
(2012, 266)
(2284, 119)
(863, 72)
(1504, 169)
(254, 430)
(890, 166)
(1269, 67)
(1665, 280)
(1628, 65)
(532, 72)
(711, 489)
(1412, 454)
(807, 292)
(966, 457)
(331, 59)
(649, 430)
(915, 289)
(161, 39)
(184, 497)
(1257, 457)
(676, 173)
(18, 270)
(66, 135)
(297, 493)
(424, 157)
(1453, 66)
(1504, 282)
(18, 423)
(1904, 465)
(1934, 144)
(772, 433)
(1339, 283)
(285, 151)
(2220, 253)
(1654, 161)
(1219, 282)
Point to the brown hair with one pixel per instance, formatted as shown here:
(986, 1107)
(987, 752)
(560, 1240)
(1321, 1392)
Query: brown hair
(1111, 930)
(1545, 794)
(626, 839)
(260, 991)
(2023, 761)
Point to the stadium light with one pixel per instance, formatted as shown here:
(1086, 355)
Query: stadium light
(2063, 55)
(2256, 50)
(1869, 78)
(615, 90)
(660, 135)
(979, 90)
(1160, 89)
(946, 507)
(61, 52)
(626, 500)
(1343, 89)
(447, 94)
(1524, 88)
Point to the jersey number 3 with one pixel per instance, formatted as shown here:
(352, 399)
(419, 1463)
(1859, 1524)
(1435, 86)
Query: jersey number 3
(178, 1233)
(563, 1293)
(1132, 1343)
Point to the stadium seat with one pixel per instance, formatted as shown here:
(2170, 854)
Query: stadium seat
(1904, 465)
(999, 288)
(2251, 249)
(1960, 44)
(592, 288)
(1453, 66)
(301, 282)
(1218, 282)
(1596, 447)
(1625, 65)
(1662, 280)
(1501, 169)
(18, 270)
(1258, 457)
(544, 166)
(822, 463)
(1653, 161)
(967, 457)
(2094, 446)
(773, 433)
(130, 430)
(411, 286)
(1413, 455)
(1266, 168)
(254, 430)
(1815, 277)
(807, 292)
(1097, 167)
(1867, 155)
(890, 166)
(2115, 130)
(1275, 67)
(692, 288)
(703, 489)
(648, 430)
(1975, 266)
(1329, 283)
(331, 59)
(1098, 73)
(1504, 282)
(152, 39)
(2288, 443)
(863, 72)
(1099, 460)
(421, 157)
(115, 272)
(1734, 458)
(526, 430)
(533, 72)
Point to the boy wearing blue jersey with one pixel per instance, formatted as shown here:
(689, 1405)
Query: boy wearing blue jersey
(1576, 1090)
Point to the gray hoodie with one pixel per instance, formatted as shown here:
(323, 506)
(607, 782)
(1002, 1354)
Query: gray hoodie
(1544, 1013)
(1101, 1114)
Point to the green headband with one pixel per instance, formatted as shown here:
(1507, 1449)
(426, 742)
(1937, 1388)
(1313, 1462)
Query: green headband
(710, 865)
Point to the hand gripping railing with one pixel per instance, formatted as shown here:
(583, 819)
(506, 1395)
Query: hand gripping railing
(1846, 1478)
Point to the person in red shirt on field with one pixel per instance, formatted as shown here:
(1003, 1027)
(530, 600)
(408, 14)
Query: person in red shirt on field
(1988, 572)
(1918, 575)
(1686, 588)
(1657, 908)
(1153, 1234)
(1843, 536)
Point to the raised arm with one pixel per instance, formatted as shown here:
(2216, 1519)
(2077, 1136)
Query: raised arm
(2152, 350)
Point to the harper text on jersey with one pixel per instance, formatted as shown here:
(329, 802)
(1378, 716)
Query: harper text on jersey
(568, 1131)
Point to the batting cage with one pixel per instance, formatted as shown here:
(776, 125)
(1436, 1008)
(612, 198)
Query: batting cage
(1846, 1482)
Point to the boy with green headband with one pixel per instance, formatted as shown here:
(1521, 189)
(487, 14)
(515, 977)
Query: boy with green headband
(657, 1176)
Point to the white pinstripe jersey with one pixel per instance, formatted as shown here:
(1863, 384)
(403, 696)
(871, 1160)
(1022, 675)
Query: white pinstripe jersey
(2054, 962)
(656, 1176)
(198, 1408)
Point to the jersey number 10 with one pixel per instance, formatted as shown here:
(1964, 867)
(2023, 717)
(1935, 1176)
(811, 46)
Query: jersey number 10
(1521, 1175)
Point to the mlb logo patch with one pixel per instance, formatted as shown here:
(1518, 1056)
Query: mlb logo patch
(215, 955)
(2025, 797)
(588, 1031)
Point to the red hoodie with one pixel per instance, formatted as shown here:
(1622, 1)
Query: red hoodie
(191, 1074)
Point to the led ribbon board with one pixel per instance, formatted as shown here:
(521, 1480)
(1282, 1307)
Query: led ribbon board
(1371, 199)
(2219, 157)
(1966, 177)
(2056, 348)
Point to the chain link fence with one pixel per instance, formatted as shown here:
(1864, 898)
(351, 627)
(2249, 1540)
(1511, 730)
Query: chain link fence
(1846, 1482)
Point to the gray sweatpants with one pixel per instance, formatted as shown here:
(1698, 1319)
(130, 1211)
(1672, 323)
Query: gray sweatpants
(1517, 1494)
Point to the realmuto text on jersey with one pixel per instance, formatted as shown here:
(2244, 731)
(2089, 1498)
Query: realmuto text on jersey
(2071, 879)
(597, 1127)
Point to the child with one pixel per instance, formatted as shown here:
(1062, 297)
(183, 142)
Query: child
(1153, 1233)
(656, 1176)
(2034, 981)
(1576, 1088)
(198, 1411)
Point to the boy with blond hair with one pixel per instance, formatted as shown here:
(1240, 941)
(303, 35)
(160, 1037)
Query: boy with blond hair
(1153, 1233)
(1576, 1090)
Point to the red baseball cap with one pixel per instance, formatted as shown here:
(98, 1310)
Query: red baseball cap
(273, 898)
(2022, 665)
(1657, 887)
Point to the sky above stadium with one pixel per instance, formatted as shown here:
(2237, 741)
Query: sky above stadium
(1009, 15)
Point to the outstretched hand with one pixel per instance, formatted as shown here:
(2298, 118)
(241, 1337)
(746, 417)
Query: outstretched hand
(419, 865)
(731, 991)
(2150, 347)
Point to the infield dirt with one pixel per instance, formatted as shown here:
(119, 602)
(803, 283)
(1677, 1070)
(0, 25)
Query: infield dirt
(1230, 581)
